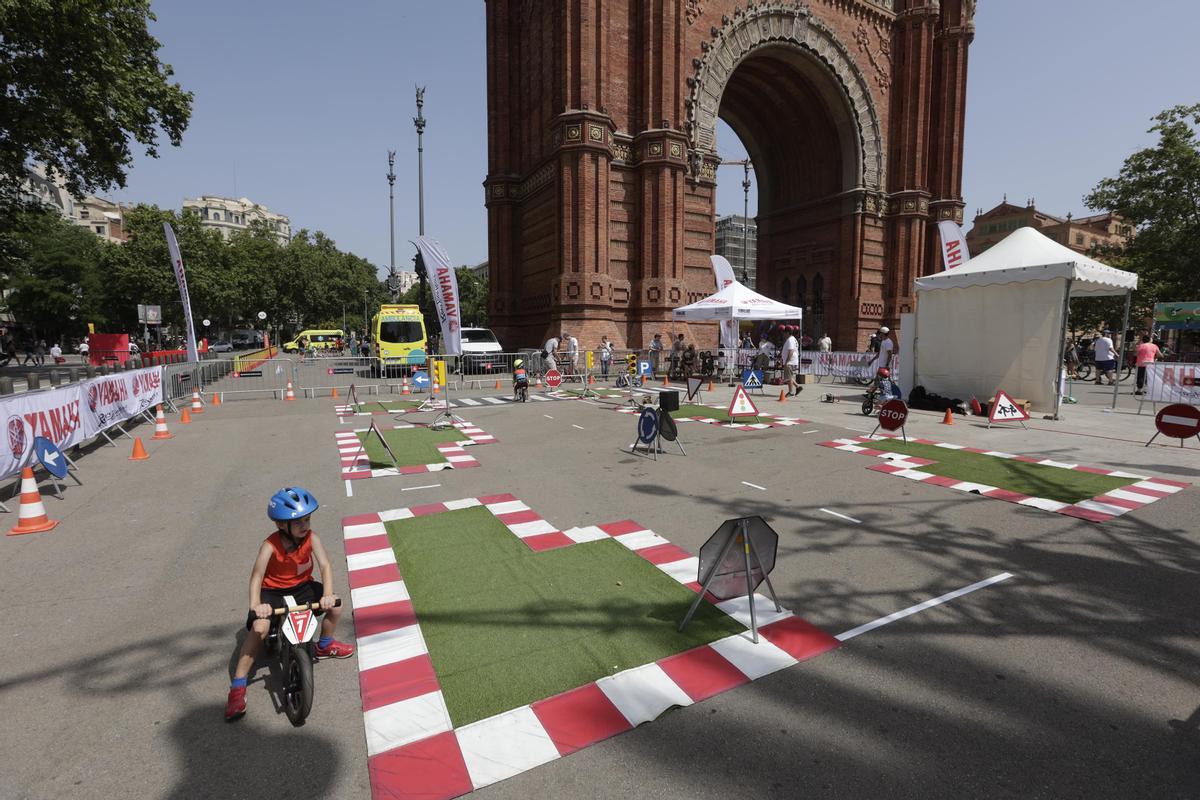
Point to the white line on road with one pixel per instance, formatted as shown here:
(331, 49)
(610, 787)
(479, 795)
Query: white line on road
(573, 425)
(590, 403)
(547, 416)
(755, 486)
(341, 421)
(411, 488)
(814, 430)
(349, 489)
(870, 626)
(843, 516)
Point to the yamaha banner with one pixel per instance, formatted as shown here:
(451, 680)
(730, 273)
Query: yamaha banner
(444, 285)
(181, 279)
(954, 244)
(723, 272)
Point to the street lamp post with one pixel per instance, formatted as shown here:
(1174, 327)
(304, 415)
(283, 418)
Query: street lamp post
(746, 166)
(419, 123)
(393, 284)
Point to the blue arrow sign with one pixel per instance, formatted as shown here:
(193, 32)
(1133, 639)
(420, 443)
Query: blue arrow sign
(647, 425)
(49, 456)
(420, 379)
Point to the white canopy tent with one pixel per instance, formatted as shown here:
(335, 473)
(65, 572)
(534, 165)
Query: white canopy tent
(999, 321)
(736, 301)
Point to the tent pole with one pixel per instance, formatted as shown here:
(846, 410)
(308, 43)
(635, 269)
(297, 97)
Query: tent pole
(1121, 352)
(1062, 348)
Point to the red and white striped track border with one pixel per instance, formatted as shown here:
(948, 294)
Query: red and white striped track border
(412, 747)
(774, 420)
(1101, 508)
(356, 464)
(348, 411)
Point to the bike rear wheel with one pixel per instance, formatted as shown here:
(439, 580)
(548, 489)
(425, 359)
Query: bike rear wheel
(868, 405)
(297, 684)
(1084, 371)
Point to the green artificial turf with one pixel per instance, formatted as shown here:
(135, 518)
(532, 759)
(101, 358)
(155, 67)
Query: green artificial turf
(1035, 480)
(412, 446)
(720, 414)
(506, 626)
(389, 406)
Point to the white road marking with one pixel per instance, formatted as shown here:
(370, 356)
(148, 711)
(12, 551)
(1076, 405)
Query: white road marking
(547, 416)
(936, 601)
(814, 430)
(573, 425)
(755, 486)
(842, 516)
(349, 489)
(590, 403)
(411, 488)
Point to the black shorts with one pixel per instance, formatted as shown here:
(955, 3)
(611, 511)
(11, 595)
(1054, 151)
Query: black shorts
(302, 593)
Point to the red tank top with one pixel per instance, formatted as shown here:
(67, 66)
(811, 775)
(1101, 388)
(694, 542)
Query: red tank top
(286, 570)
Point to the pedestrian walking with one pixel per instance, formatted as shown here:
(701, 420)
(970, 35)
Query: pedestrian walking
(1147, 353)
(1106, 363)
(791, 363)
(885, 350)
(27, 346)
(548, 351)
(39, 352)
(606, 355)
(572, 353)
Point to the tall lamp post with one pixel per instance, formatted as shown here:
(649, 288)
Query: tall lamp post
(393, 284)
(419, 123)
(746, 165)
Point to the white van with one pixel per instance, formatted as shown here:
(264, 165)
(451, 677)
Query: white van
(482, 352)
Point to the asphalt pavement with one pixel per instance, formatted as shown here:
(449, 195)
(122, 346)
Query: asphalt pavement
(1074, 678)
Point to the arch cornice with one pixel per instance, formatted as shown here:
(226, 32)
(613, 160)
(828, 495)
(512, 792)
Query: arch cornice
(771, 24)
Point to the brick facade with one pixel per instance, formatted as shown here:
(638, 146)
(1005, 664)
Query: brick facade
(602, 156)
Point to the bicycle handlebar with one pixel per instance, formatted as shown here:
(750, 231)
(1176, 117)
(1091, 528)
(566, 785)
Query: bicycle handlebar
(279, 612)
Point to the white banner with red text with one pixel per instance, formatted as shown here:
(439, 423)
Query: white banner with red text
(444, 284)
(71, 415)
(1167, 382)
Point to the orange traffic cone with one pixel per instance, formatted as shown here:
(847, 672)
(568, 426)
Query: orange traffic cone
(538, 384)
(334, 392)
(710, 384)
(782, 396)
(197, 406)
(139, 451)
(948, 419)
(436, 388)
(591, 380)
(497, 384)
(404, 387)
(160, 426)
(666, 382)
(184, 417)
(31, 516)
(289, 394)
(216, 401)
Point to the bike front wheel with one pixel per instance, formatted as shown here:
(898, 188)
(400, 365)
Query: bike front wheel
(1084, 371)
(297, 684)
(868, 406)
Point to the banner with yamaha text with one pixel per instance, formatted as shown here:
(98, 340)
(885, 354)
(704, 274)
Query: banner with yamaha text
(71, 415)
(954, 244)
(444, 285)
(1173, 383)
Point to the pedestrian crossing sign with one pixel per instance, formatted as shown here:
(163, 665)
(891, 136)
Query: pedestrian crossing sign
(741, 405)
(752, 379)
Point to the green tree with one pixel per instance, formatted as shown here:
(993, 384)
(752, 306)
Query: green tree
(473, 297)
(1158, 190)
(82, 79)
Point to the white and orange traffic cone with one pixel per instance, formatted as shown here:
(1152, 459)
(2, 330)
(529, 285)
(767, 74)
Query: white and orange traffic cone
(197, 405)
(436, 388)
(782, 396)
(160, 425)
(184, 417)
(404, 386)
(31, 516)
(538, 384)
(290, 393)
(139, 450)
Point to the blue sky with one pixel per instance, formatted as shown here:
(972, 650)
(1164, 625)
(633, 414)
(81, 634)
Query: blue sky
(297, 104)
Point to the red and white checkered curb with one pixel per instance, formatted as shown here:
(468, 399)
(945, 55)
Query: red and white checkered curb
(356, 465)
(1101, 508)
(773, 420)
(412, 747)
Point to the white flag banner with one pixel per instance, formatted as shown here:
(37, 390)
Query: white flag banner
(444, 284)
(954, 244)
(723, 272)
(181, 279)
(1170, 382)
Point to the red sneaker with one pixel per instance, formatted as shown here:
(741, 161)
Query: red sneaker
(235, 706)
(336, 649)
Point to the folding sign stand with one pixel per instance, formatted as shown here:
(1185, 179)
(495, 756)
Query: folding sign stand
(647, 433)
(445, 418)
(1005, 410)
(667, 430)
(352, 396)
(730, 533)
(362, 445)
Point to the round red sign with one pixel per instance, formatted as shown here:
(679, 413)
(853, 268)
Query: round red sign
(1178, 420)
(553, 378)
(892, 415)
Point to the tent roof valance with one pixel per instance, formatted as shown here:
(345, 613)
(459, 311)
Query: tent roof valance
(1029, 255)
(737, 301)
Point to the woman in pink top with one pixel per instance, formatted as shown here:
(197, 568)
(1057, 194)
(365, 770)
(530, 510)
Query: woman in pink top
(1147, 354)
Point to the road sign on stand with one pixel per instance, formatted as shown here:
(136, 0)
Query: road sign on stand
(753, 379)
(693, 387)
(420, 381)
(647, 432)
(741, 405)
(1177, 421)
(553, 378)
(735, 561)
(50, 457)
(892, 416)
(1005, 410)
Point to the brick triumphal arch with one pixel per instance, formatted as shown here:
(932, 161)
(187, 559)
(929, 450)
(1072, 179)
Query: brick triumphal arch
(602, 156)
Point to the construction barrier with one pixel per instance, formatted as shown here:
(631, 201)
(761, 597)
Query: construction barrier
(253, 359)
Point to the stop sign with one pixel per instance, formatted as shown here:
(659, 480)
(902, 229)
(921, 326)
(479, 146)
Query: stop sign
(1178, 420)
(892, 415)
(553, 378)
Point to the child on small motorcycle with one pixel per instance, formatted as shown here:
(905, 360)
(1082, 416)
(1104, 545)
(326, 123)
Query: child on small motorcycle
(284, 566)
(520, 381)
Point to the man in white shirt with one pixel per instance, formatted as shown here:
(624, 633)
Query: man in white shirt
(824, 344)
(791, 363)
(656, 349)
(572, 352)
(1106, 364)
(548, 350)
(886, 348)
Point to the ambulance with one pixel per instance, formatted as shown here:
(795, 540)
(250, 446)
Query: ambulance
(398, 338)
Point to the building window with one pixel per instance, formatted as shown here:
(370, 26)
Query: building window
(785, 289)
(83, 213)
(100, 229)
(1079, 239)
(801, 290)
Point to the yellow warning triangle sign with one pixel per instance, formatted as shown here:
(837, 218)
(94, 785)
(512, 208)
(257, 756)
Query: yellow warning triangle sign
(741, 405)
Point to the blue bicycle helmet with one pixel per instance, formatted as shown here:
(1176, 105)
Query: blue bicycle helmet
(291, 503)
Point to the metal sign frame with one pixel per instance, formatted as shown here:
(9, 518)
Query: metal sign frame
(1159, 418)
(739, 530)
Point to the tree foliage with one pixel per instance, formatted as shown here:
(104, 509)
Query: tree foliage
(1158, 190)
(82, 79)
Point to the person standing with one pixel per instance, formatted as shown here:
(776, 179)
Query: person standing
(1106, 364)
(606, 354)
(656, 349)
(887, 348)
(572, 352)
(39, 352)
(677, 349)
(56, 353)
(1147, 354)
(824, 344)
(791, 363)
(548, 350)
(28, 347)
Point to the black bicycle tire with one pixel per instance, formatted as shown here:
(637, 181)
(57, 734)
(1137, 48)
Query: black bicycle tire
(1084, 371)
(297, 701)
(868, 406)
